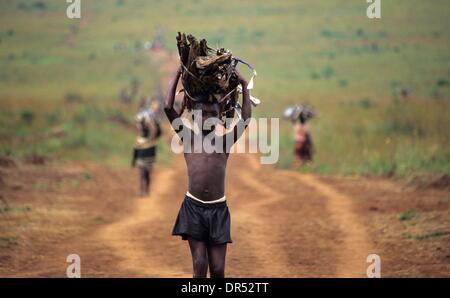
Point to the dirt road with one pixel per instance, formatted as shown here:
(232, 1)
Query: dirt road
(284, 224)
(271, 224)
(262, 247)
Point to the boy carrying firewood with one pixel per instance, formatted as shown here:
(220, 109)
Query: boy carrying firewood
(204, 219)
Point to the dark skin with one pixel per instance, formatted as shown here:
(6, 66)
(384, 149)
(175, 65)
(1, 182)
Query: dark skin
(144, 173)
(206, 173)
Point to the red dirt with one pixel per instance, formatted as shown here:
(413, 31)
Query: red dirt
(284, 224)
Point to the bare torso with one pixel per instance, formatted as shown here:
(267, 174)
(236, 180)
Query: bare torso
(206, 172)
(301, 132)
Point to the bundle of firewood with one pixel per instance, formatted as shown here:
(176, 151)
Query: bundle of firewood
(299, 111)
(207, 74)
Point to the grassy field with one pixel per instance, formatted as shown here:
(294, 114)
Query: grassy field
(60, 79)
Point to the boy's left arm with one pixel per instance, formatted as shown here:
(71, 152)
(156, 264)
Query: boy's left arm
(246, 111)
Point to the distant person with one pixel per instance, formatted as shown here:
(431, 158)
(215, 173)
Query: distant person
(144, 153)
(303, 144)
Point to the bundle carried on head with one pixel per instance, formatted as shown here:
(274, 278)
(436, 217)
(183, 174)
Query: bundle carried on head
(208, 74)
(299, 112)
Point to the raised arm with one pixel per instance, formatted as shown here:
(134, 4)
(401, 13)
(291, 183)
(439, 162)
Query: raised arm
(171, 113)
(246, 103)
(246, 112)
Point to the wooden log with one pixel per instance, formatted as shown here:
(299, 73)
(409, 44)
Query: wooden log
(207, 73)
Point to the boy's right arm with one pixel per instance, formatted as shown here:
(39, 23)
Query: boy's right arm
(171, 113)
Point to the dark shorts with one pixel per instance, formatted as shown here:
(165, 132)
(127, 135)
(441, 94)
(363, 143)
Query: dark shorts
(209, 223)
(146, 152)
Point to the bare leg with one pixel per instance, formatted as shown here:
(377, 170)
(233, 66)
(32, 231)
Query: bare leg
(216, 257)
(141, 180)
(149, 179)
(199, 258)
(144, 180)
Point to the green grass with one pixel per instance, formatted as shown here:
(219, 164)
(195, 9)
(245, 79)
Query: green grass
(324, 53)
(432, 235)
(407, 215)
(8, 242)
(15, 210)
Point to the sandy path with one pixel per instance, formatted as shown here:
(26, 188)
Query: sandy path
(284, 224)
(143, 244)
(259, 247)
(123, 239)
(354, 246)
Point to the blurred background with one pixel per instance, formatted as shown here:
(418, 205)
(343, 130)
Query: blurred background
(381, 87)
